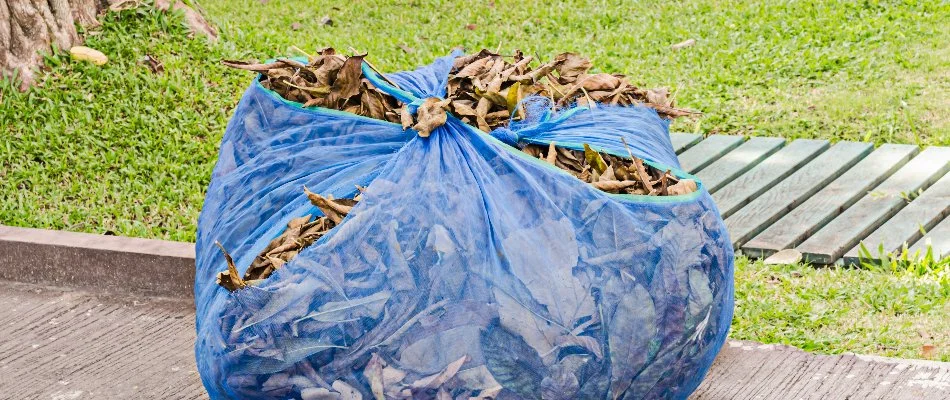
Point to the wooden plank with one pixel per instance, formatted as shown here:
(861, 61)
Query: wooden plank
(789, 193)
(905, 227)
(765, 175)
(69, 344)
(855, 223)
(749, 370)
(707, 151)
(815, 212)
(738, 161)
(683, 141)
(937, 238)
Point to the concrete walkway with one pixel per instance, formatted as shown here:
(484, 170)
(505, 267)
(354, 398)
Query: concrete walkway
(62, 344)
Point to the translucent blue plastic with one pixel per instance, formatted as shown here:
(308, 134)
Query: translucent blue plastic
(465, 258)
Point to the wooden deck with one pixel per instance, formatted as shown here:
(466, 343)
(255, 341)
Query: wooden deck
(62, 343)
(825, 200)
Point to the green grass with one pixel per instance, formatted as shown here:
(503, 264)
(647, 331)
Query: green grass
(876, 71)
(118, 148)
(891, 310)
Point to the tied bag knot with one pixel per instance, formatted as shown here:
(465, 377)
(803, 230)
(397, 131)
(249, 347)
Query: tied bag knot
(506, 136)
(430, 113)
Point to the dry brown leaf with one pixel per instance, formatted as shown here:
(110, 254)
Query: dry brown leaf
(153, 64)
(594, 159)
(664, 182)
(618, 176)
(373, 105)
(328, 66)
(347, 82)
(326, 81)
(256, 67)
(405, 118)
(230, 278)
(599, 82)
(464, 60)
(374, 374)
(684, 44)
(928, 351)
(477, 67)
(659, 96)
(463, 108)
(439, 379)
(346, 391)
(331, 208)
(642, 174)
(684, 186)
(570, 65)
(533, 151)
(612, 186)
(552, 154)
(120, 5)
(83, 53)
(586, 342)
(276, 262)
(430, 115)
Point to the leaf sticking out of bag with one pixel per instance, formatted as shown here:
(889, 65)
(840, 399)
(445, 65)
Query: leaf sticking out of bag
(611, 173)
(328, 80)
(551, 158)
(496, 83)
(230, 278)
(347, 83)
(301, 232)
(332, 209)
(594, 159)
(684, 186)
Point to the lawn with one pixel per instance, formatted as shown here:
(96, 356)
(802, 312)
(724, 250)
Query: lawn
(891, 310)
(118, 148)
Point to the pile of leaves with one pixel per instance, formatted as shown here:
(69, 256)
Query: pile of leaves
(300, 233)
(612, 174)
(486, 88)
(328, 80)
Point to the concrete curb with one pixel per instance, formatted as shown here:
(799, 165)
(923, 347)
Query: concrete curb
(97, 262)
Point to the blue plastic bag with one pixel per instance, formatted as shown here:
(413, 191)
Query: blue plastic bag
(467, 270)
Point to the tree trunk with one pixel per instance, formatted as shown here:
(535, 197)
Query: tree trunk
(28, 29)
